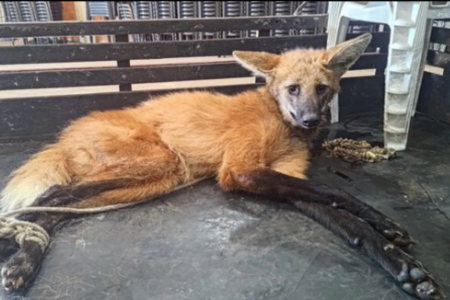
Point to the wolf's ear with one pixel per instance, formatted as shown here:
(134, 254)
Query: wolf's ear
(260, 63)
(341, 57)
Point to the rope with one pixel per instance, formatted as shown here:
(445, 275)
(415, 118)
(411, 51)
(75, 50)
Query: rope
(22, 231)
(357, 151)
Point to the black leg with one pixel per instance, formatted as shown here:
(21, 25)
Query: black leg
(408, 272)
(354, 221)
(22, 268)
(285, 188)
(54, 196)
(65, 195)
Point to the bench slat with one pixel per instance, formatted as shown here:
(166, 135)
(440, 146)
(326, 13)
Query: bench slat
(370, 61)
(149, 74)
(39, 29)
(440, 36)
(113, 76)
(123, 51)
(28, 117)
(439, 59)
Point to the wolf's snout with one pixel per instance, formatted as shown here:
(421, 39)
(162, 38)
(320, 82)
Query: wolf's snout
(310, 121)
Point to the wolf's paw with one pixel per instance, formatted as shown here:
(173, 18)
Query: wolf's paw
(415, 280)
(396, 234)
(22, 268)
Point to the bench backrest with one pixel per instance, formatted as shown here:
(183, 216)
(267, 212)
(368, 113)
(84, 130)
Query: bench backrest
(43, 86)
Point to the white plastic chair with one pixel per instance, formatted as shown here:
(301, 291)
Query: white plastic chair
(410, 23)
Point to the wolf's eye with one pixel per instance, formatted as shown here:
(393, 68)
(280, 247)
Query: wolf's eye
(294, 89)
(321, 89)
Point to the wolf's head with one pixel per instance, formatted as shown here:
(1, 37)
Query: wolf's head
(304, 81)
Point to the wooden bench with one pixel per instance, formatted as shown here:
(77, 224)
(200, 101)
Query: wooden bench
(42, 87)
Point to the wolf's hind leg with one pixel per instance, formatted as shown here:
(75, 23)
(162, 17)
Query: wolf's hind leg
(21, 269)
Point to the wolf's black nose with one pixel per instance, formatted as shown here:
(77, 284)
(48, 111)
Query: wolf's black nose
(311, 122)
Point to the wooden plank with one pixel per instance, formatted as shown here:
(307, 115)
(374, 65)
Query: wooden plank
(103, 64)
(369, 61)
(173, 85)
(439, 59)
(434, 70)
(440, 36)
(360, 95)
(130, 75)
(119, 76)
(36, 116)
(434, 98)
(123, 51)
(30, 117)
(36, 29)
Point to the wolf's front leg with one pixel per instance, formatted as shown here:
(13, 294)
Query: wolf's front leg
(406, 270)
(286, 188)
(357, 223)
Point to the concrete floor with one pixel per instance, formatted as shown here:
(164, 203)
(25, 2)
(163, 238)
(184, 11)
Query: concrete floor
(201, 243)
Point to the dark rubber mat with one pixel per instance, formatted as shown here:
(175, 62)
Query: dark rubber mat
(201, 243)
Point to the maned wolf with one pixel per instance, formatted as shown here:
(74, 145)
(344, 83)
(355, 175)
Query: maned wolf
(256, 141)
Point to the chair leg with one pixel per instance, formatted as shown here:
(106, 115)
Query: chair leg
(403, 70)
(426, 45)
(337, 31)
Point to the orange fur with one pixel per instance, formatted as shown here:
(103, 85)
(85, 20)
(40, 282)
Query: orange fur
(180, 137)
